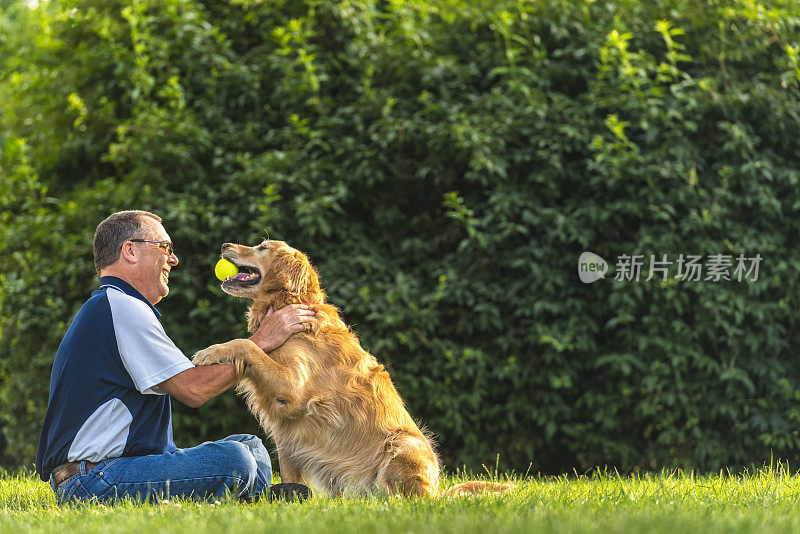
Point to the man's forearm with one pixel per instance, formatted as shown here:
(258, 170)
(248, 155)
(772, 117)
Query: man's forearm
(197, 385)
(211, 380)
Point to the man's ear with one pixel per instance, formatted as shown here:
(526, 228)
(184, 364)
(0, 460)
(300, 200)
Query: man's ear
(128, 253)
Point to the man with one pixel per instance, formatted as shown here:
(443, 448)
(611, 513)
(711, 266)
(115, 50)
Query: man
(107, 432)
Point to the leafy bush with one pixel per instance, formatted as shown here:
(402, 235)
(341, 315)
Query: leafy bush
(444, 164)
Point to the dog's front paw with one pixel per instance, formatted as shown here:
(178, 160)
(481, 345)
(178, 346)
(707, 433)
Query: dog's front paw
(213, 354)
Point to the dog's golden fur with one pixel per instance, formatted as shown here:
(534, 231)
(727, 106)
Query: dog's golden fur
(336, 418)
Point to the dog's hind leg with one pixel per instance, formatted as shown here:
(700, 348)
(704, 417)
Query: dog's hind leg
(408, 475)
(412, 468)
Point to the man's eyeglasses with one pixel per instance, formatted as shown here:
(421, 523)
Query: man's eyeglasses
(165, 246)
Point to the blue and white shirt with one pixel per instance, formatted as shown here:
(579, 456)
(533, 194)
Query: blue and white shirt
(104, 400)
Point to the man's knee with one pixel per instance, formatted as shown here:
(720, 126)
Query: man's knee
(254, 443)
(249, 439)
(236, 460)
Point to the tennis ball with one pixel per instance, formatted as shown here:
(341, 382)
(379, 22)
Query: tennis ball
(225, 269)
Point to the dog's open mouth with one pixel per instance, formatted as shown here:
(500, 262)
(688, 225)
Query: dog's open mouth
(247, 275)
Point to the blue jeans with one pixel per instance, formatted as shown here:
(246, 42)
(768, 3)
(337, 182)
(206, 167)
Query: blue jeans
(238, 464)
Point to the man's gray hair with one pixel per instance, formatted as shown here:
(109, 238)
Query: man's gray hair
(114, 231)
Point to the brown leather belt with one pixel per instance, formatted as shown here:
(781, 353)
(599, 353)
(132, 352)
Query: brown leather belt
(64, 471)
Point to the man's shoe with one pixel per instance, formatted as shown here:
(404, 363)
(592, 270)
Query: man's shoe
(289, 492)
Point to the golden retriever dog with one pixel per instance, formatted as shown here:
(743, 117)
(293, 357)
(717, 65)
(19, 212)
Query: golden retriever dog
(336, 418)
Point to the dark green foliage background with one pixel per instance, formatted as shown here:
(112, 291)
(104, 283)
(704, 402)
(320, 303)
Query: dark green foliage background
(444, 164)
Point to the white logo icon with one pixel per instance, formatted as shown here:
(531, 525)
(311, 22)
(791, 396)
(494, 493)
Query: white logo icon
(591, 267)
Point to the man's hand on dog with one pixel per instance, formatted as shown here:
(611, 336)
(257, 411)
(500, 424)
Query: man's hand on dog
(277, 326)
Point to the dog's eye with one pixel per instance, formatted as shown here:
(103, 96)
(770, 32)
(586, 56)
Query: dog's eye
(262, 247)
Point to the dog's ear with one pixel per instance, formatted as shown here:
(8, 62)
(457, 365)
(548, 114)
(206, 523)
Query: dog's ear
(303, 279)
(293, 271)
(298, 272)
(290, 271)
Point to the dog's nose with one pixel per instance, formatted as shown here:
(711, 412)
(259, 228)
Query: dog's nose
(225, 246)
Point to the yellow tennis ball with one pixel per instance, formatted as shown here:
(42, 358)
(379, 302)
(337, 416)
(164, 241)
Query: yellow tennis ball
(225, 269)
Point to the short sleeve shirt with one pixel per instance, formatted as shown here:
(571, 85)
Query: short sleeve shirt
(104, 401)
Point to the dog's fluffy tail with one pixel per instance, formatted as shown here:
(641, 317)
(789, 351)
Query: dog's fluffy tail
(476, 487)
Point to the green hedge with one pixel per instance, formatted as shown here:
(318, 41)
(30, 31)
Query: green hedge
(444, 164)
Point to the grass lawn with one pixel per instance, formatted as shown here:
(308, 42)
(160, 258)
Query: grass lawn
(766, 501)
